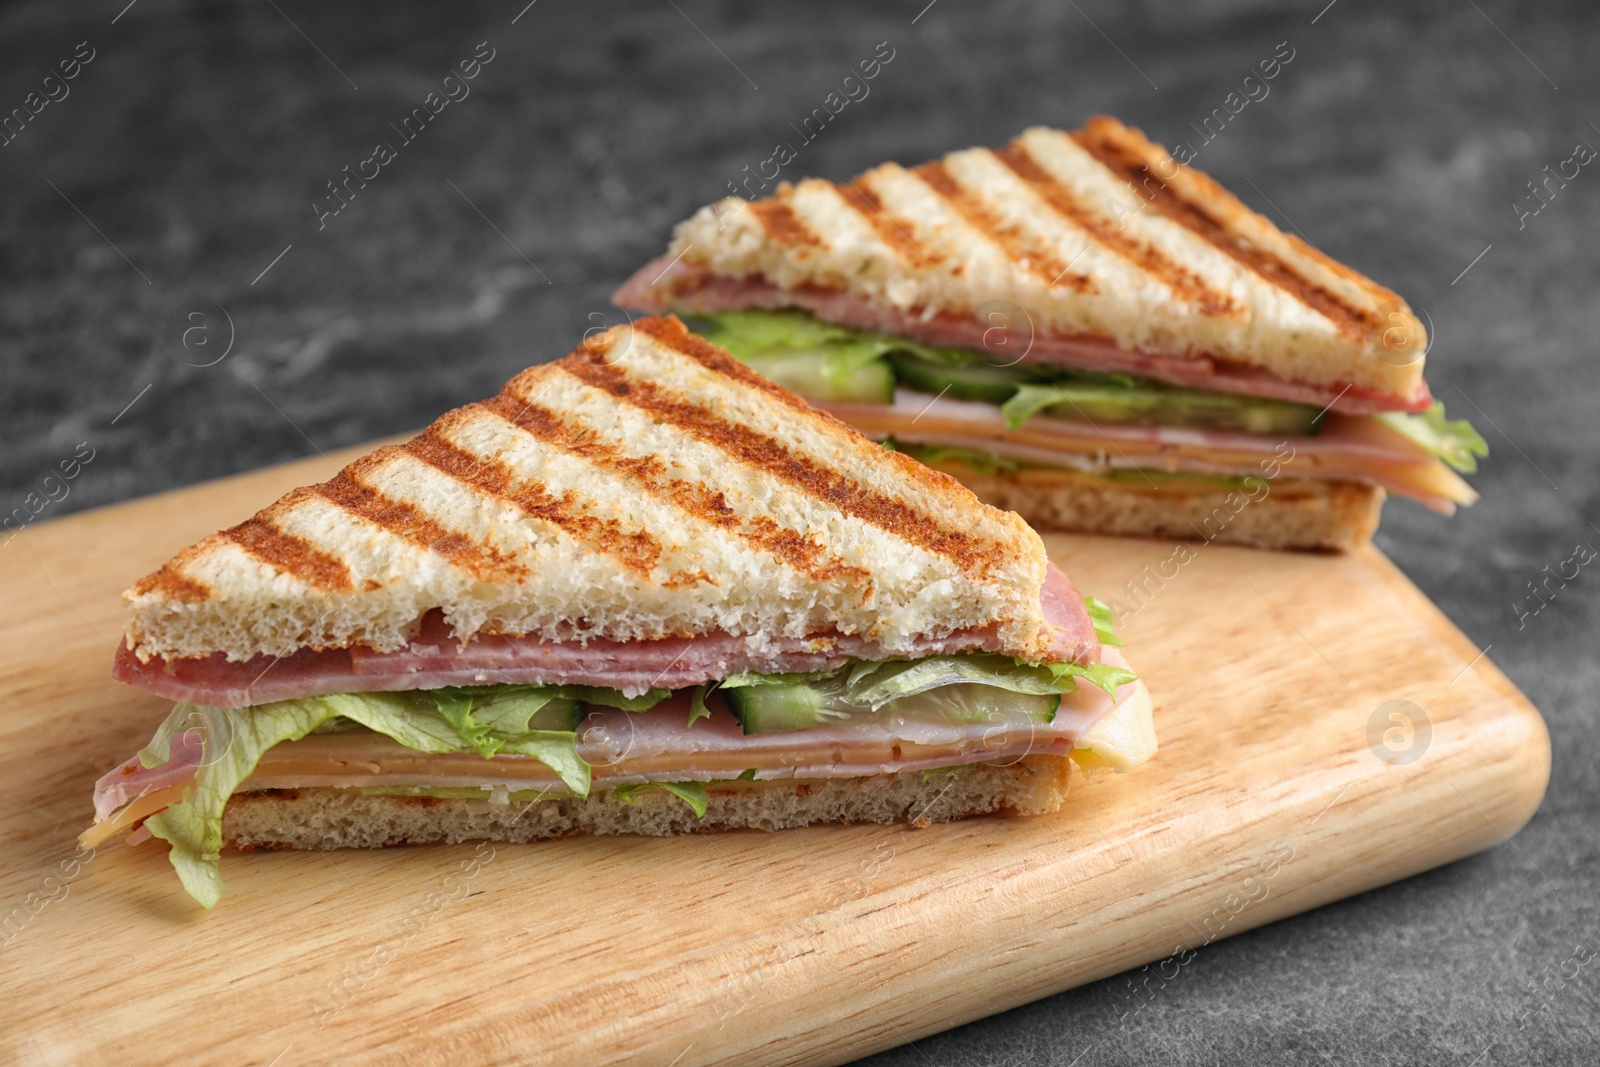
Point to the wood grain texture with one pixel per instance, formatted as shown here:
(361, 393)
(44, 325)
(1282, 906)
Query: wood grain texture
(810, 946)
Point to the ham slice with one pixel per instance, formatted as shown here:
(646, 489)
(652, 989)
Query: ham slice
(130, 780)
(664, 285)
(437, 658)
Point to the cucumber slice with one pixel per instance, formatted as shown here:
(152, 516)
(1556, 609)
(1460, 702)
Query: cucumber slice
(770, 709)
(1155, 405)
(974, 379)
(780, 708)
(560, 714)
(761, 329)
(508, 709)
(970, 702)
(828, 373)
(896, 682)
(814, 359)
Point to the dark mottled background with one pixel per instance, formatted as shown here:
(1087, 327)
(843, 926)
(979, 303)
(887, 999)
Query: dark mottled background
(192, 147)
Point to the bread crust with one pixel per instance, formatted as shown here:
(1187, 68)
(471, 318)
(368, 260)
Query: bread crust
(348, 818)
(1293, 513)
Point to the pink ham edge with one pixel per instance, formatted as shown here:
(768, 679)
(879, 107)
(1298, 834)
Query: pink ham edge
(435, 658)
(130, 780)
(663, 285)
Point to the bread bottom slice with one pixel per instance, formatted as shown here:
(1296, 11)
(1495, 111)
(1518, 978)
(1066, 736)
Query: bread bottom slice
(1291, 514)
(349, 818)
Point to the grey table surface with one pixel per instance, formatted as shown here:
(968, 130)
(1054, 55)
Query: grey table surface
(182, 168)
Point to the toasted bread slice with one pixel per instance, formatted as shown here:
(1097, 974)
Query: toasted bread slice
(350, 818)
(647, 485)
(1298, 513)
(1098, 235)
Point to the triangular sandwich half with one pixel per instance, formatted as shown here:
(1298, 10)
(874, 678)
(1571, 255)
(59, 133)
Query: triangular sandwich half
(1085, 330)
(641, 590)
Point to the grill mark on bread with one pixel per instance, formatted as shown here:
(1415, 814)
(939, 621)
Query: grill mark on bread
(670, 331)
(1008, 236)
(857, 195)
(1184, 283)
(798, 550)
(589, 365)
(288, 553)
(410, 522)
(1124, 161)
(780, 222)
(173, 584)
(636, 550)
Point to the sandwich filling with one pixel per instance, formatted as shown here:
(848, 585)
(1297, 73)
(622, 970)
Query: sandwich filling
(995, 410)
(519, 724)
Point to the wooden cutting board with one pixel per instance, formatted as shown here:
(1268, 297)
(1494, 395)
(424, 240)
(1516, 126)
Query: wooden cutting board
(1289, 775)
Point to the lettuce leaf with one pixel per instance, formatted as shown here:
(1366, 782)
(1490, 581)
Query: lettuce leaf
(486, 716)
(1081, 396)
(697, 703)
(211, 722)
(759, 332)
(193, 826)
(898, 680)
(512, 712)
(795, 349)
(419, 726)
(986, 463)
(1455, 442)
(540, 695)
(558, 750)
(413, 723)
(1103, 675)
(233, 741)
(858, 671)
(1027, 402)
(744, 679)
(611, 698)
(1104, 619)
(456, 708)
(691, 793)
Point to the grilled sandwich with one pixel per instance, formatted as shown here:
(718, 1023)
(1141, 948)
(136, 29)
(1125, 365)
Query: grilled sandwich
(1085, 331)
(641, 590)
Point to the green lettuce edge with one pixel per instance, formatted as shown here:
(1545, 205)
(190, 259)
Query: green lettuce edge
(691, 793)
(1454, 441)
(234, 740)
